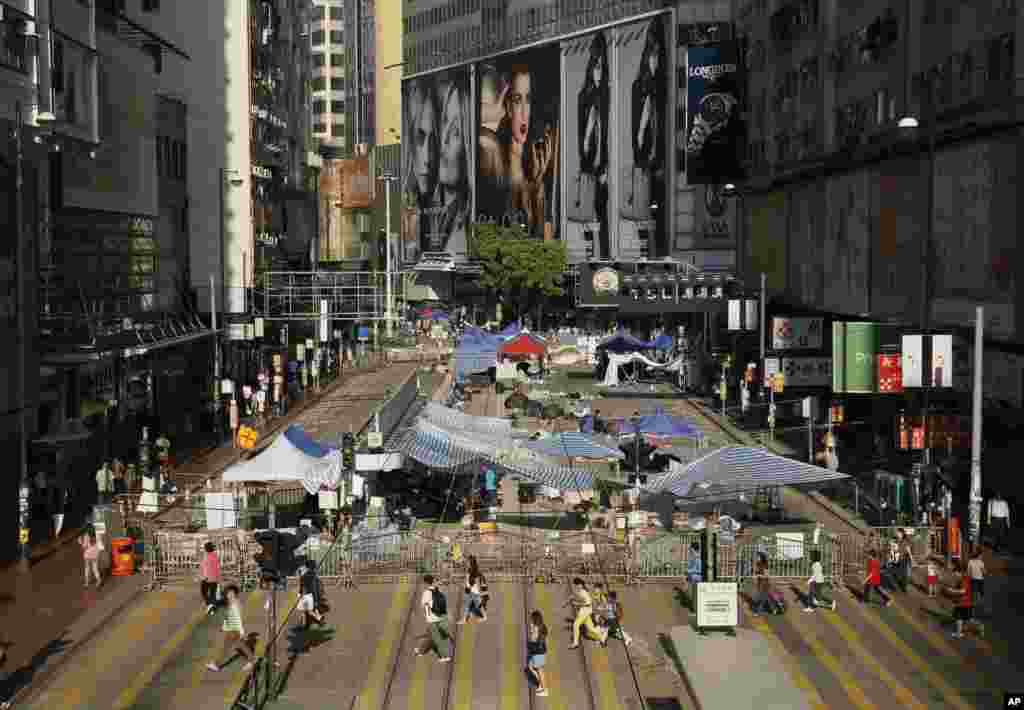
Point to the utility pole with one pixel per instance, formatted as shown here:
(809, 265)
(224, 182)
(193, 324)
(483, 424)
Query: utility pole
(764, 291)
(216, 358)
(976, 420)
(388, 178)
(22, 288)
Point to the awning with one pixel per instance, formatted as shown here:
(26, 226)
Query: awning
(105, 348)
(727, 472)
(523, 344)
(574, 445)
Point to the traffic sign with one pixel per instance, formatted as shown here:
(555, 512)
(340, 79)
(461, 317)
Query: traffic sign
(778, 383)
(247, 437)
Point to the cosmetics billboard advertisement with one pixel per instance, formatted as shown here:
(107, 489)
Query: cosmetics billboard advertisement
(715, 133)
(437, 125)
(518, 139)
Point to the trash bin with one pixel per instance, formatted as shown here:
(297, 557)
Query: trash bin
(123, 552)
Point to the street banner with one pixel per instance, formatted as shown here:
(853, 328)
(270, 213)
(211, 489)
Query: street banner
(715, 132)
(913, 360)
(890, 374)
(772, 366)
(854, 350)
(797, 333)
(751, 307)
(942, 361)
(807, 371)
(735, 314)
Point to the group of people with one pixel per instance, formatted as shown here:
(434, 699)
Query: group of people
(597, 611)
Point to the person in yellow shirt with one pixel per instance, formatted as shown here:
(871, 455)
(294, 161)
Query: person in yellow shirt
(582, 602)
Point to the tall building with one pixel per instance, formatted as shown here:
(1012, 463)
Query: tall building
(328, 62)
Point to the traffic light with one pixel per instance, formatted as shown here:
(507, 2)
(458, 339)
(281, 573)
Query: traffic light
(277, 559)
(348, 451)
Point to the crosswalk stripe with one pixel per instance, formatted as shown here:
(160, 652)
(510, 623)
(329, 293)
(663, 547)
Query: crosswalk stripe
(948, 692)
(554, 701)
(511, 646)
(370, 698)
(607, 692)
(853, 642)
(136, 624)
(462, 692)
(417, 687)
(937, 640)
(799, 678)
(853, 691)
(284, 607)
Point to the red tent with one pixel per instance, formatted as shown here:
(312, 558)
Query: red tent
(522, 346)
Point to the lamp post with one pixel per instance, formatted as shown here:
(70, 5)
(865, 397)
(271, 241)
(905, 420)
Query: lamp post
(731, 190)
(388, 178)
(227, 176)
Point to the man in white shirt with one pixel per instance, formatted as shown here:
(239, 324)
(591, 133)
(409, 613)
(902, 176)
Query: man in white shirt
(437, 620)
(999, 520)
(976, 570)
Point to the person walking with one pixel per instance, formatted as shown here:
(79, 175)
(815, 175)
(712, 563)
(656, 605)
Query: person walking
(873, 580)
(310, 595)
(536, 651)
(614, 618)
(999, 521)
(91, 549)
(471, 598)
(582, 602)
(209, 577)
(905, 562)
(234, 634)
(976, 571)
(815, 585)
(963, 611)
(435, 610)
(933, 577)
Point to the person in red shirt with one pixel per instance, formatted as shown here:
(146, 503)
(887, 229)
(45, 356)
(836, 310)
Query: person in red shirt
(873, 580)
(209, 577)
(962, 612)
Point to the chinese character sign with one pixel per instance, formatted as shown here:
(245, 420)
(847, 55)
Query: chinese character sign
(890, 373)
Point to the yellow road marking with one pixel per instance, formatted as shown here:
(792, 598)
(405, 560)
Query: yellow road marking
(608, 694)
(370, 698)
(136, 624)
(463, 691)
(937, 640)
(554, 699)
(799, 678)
(511, 660)
(417, 687)
(853, 642)
(284, 608)
(853, 691)
(948, 692)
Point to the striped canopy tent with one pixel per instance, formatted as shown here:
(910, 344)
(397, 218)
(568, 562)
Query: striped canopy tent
(663, 424)
(729, 472)
(574, 445)
(449, 418)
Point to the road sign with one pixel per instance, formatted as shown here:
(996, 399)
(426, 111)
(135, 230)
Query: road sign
(778, 383)
(247, 437)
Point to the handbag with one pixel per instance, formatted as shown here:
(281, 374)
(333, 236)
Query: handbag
(636, 194)
(581, 204)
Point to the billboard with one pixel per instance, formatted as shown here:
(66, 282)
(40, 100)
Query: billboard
(437, 120)
(797, 333)
(355, 188)
(854, 357)
(642, 100)
(715, 132)
(807, 371)
(518, 131)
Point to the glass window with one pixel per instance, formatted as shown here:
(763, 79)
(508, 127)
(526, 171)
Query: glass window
(337, 37)
(319, 106)
(319, 128)
(336, 13)
(160, 155)
(319, 12)
(337, 129)
(337, 107)
(318, 83)
(337, 83)
(318, 37)
(318, 59)
(337, 60)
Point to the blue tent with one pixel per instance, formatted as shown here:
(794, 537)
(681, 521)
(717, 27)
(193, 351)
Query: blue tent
(302, 441)
(477, 352)
(623, 342)
(661, 424)
(575, 445)
(511, 330)
(664, 342)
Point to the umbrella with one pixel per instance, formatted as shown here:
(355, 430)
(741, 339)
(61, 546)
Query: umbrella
(575, 445)
(661, 424)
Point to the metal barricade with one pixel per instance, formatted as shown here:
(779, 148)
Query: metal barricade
(665, 556)
(173, 556)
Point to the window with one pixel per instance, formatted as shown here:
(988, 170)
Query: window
(318, 83)
(881, 107)
(160, 155)
(318, 37)
(150, 5)
(337, 60)
(337, 83)
(336, 13)
(337, 130)
(319, 106)
(337, 37)
(318, 59)
(337, 107)
(319, 128)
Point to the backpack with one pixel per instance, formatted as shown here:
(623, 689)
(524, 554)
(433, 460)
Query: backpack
(438, 604)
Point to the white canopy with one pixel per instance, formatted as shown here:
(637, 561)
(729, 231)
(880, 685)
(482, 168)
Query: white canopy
(283, 461)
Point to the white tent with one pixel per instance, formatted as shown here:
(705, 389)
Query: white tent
(283, 461)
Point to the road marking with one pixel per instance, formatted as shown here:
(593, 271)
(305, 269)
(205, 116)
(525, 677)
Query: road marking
(462, 693)
(853, 691)
(83, 673)
(853, 642)
(239, 677)
(511, 660)
(948, 692)
(554, 699)
(418, 684)
(370, 698)
(607, 692)
(799, 678)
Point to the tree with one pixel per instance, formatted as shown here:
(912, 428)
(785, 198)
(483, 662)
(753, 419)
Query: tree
(516, 269)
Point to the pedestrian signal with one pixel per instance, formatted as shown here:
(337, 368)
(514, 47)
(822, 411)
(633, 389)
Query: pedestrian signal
(348, 451)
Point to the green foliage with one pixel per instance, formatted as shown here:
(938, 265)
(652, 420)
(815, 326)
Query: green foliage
(513, 266)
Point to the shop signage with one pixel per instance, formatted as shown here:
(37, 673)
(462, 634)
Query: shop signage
(854, 357)
(772, 366)
(263, 172)
(927, 361)
(807, 371)
(606, 281)
(141, 225)
(269, 239)
(717, 604)
(797, 333)
(890, 373)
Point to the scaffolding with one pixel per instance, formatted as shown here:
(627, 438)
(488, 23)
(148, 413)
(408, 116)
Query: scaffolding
(338, 295)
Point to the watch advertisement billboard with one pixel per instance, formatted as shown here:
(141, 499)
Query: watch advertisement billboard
(518, 139)
(715, 133)
(437, 167)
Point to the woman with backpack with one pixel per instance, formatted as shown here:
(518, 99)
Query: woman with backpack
(471, 598)
(536, 651)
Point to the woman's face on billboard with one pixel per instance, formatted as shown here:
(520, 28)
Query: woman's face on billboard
(519, 99)
(453, 147)
(653, 50)
(597, 71)
(424, 142)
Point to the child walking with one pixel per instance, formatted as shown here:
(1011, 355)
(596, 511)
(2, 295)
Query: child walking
(234, 634)
(933, 578)
(536, 651)
(90, 554)
(209, 577)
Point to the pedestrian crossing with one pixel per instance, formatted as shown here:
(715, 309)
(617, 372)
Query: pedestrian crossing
(857, 658)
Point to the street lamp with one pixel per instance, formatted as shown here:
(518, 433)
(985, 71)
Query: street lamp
(388, 178)
(227, 176)
(730, 189)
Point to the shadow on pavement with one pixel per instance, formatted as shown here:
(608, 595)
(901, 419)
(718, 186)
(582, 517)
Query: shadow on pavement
(23, 676)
